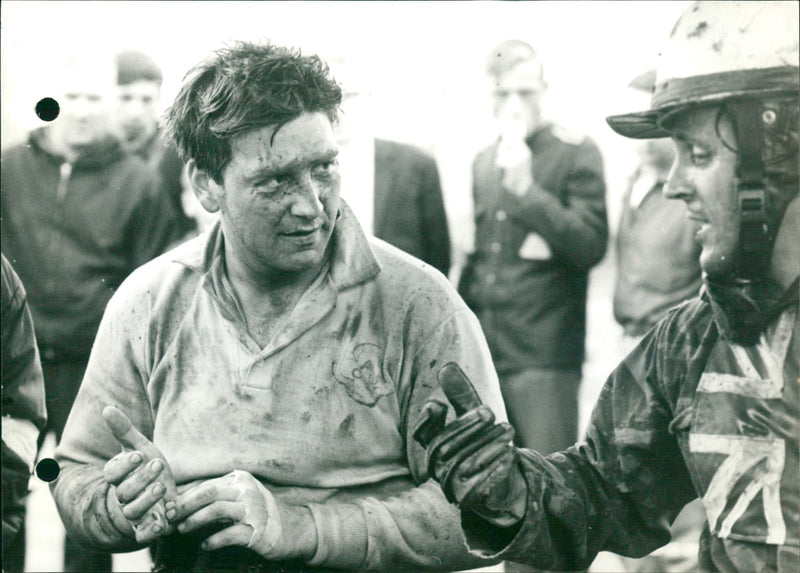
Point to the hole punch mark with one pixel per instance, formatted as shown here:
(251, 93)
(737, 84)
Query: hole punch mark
(47, 469)
(47, 109)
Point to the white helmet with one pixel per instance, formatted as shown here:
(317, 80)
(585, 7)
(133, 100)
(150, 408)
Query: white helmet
(719, 51)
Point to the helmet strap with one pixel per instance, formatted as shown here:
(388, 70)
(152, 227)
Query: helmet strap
(754, 234)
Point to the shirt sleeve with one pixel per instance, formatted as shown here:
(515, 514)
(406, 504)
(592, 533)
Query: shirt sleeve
(617, 491)
(418, 529)
(115, 376)
(573, 220)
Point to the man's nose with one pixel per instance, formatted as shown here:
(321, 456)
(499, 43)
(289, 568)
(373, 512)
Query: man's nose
(81, 107)
(307, 202)
(677, 185)
(514, 105)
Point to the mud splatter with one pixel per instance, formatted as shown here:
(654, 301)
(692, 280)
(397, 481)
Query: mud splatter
(698, 31)
(354, 324)
(346, 427)
(242, 393)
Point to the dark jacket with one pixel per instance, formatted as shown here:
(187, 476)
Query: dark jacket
(74, 231)
(533, 308)
(22, 396)
(687, 414)
(409, 208)
(163, 159)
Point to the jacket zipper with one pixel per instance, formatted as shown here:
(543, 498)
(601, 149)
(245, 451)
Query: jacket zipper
(64, 170)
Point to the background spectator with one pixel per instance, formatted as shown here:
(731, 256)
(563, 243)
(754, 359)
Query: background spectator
(657, 255)
(540, 226)
(139, 81)
(78, 216)
(392, 187)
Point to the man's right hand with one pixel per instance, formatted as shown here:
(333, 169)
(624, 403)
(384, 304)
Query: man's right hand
(141, 479)
(472, 458)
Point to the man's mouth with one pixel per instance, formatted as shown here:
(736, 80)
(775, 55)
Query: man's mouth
(696, 216)
(301, 233)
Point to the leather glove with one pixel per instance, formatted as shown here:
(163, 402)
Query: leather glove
(472, 458)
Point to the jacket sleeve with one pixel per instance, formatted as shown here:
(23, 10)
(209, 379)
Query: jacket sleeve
(573, 220)
(417, 529)
(435, 234)
(115, 376)
(617, 491)
(23, 402)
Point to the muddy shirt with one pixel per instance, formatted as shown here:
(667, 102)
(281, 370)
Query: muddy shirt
(322, 415)
(686, 414)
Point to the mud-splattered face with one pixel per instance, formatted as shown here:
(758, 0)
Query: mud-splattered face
(703, 175)
(280, 195)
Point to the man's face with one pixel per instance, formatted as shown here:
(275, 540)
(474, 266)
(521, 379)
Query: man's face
(280, 197)
(137, 112)
(517, 95)
(85, 108)
(703, 175)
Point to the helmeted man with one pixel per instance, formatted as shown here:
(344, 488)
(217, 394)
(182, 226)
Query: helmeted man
(707, 404)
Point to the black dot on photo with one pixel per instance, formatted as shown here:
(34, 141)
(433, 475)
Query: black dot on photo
(47, 109)
(47, 469)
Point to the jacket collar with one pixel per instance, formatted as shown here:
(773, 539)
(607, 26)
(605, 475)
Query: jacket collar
(96, 154)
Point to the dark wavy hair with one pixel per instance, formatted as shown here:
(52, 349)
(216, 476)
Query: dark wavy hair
(241, 87)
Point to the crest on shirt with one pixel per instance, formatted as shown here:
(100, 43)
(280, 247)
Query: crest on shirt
(361, 374)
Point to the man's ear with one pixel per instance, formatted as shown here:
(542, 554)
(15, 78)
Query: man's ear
(205, 188)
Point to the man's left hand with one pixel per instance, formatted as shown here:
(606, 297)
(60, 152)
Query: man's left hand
(255, 519)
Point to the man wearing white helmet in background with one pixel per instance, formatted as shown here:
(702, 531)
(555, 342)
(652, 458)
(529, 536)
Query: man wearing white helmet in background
(707, 405)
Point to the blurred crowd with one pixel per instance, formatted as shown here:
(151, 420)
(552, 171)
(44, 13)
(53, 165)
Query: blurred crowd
(96, 192)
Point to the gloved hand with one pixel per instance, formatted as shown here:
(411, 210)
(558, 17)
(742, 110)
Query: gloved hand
(472, 458)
